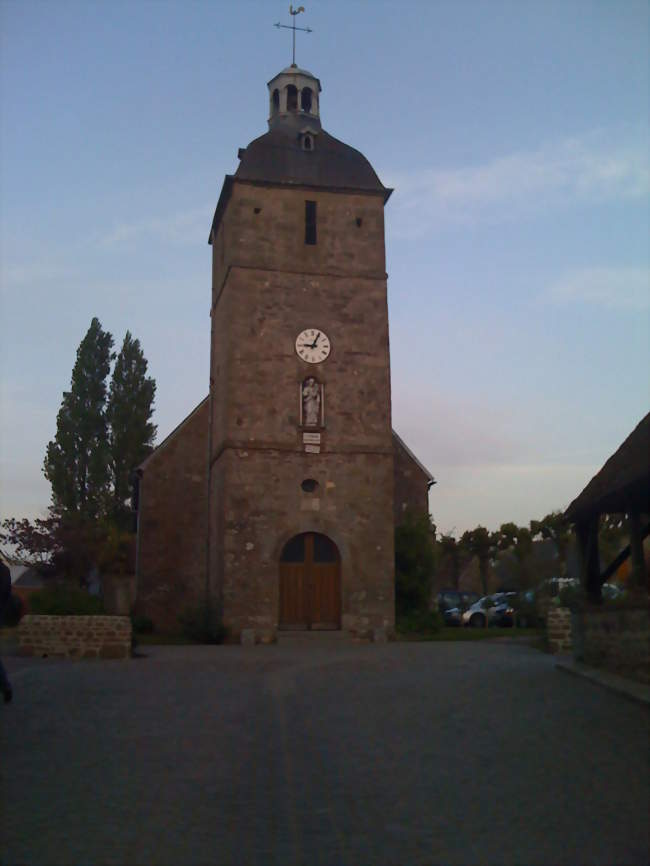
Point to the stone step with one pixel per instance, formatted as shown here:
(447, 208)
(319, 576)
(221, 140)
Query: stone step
(315, 634)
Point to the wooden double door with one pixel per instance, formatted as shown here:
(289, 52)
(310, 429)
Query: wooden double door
(310, 583)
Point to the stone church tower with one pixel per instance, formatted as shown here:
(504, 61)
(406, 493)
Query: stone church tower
(301, 452)
(276, 498)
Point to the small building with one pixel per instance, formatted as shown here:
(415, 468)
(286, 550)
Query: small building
(622, 486)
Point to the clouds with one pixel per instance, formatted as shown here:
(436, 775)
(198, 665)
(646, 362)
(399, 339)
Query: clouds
(522, 183)
(184, 227)
(612, 288)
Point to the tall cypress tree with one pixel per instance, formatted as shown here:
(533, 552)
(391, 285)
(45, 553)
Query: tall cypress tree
(76, 461)
(129, 411)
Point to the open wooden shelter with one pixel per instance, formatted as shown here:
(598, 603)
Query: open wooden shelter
(621, 487)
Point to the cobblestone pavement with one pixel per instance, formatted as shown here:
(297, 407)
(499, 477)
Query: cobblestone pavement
(453, 753)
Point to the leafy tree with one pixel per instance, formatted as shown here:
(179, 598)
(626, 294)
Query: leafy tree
(450, 550)
(519, 540)
(76, 462)
(612, 536)
(481, 544)
(89, 461)
(65, 543)
(556, 528)
(129, 411)
(414, 562)
(32, 543)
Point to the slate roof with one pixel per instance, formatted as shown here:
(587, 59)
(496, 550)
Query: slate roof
(624, 481)
(405, 447)
(277, 157)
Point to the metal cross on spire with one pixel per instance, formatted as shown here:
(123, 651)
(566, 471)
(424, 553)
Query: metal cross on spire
(293, 12)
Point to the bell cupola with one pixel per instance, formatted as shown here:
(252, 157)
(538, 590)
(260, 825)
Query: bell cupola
(294, 100)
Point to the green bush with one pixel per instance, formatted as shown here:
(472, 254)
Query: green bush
(414, 563)
(13, 612)
(65, 600)
(572, 597)
(200, 624)
(141, 624)
(419, 622)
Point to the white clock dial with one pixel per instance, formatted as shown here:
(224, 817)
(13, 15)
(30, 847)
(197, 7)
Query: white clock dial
(313, 345)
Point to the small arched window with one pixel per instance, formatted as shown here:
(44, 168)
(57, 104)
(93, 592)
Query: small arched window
(275, 99)
(305, 99)
(292, 98)
(307, 142)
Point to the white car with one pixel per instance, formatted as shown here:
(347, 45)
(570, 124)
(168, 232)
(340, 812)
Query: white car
(496, 608)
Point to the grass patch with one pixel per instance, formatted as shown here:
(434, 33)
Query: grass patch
(418, 625)
(462, 634)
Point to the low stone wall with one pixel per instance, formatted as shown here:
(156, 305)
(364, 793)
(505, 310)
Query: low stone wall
(74, 637)
(617, 640)
(558, 629)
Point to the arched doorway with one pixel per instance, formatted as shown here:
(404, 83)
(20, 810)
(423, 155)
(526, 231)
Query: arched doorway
(310, 583)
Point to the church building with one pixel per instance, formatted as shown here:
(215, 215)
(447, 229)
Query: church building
(275, 500)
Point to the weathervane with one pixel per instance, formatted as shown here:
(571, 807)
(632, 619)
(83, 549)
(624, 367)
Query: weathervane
(293, 12)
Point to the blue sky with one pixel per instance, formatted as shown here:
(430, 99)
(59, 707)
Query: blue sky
(515, 135)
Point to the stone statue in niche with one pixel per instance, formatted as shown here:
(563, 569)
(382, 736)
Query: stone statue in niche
(311, 402)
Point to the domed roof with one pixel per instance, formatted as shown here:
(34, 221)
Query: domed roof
(279, 157)
(294, 70)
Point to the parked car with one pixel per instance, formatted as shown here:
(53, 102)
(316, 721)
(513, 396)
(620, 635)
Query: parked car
(452, 603)
(496, 608)
(563, 590)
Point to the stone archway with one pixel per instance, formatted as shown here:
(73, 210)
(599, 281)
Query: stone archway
(310, 583)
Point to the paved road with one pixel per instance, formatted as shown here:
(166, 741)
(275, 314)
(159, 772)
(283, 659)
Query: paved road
(403, 754)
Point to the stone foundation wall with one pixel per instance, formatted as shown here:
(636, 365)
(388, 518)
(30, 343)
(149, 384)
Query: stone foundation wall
(617, 640)
(75, 637)
(558, 629)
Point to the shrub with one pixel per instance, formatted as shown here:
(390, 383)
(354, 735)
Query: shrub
(13, 612)
(414, 563)
(65, 600)
(572, 597)
(420, 622)
(200, 624)
(141, 624)
(116, 553)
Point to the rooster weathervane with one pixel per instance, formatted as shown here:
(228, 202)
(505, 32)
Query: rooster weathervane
(293, 12)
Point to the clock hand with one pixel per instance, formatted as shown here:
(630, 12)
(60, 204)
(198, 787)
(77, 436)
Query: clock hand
(313, 345)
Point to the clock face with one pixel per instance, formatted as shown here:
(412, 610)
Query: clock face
(313, 345)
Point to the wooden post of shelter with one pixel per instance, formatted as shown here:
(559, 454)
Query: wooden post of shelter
(636, 548)
(587, 535)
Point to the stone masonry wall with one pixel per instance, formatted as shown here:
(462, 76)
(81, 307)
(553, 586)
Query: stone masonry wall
(558, 630)
(268, 285)
(256, 373)
(172, 523)
(411, 485)
(618, 640)
(75, 637)
(352, 506)
(263, 227)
